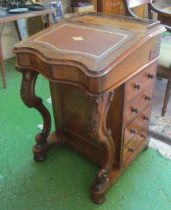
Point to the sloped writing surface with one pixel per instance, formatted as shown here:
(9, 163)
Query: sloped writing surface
(84, 40)
(93, 43)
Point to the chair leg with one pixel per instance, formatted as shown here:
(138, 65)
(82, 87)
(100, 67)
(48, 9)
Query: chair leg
(2, 67)
(166, 98)
(18, 30)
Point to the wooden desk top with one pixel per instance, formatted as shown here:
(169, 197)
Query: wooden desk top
(94, 51)
(12, 17)
(98, 42)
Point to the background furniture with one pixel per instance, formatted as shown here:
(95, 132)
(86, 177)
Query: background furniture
(47, 12)
(163, 9)
(110, 7)
(101, 71)
(94, 2)
(164, 15)
(115, 7)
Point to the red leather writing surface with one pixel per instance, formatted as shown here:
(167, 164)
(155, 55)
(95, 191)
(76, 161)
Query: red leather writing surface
(82, 39)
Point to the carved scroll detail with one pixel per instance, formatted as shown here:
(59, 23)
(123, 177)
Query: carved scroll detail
(95, 118)
(31, 100)
(102, 134)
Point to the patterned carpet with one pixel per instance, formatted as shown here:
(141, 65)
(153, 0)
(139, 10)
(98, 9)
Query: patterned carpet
(166, 38)
(160, 127)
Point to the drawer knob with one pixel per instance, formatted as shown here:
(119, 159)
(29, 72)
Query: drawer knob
(137, 86)
(148, 98)
(150, 76)
(143, 135)
(133, 130)
(146, 118)
(134, 109)
(131, 149)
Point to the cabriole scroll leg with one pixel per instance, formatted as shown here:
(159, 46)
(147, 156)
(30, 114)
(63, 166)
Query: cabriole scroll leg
(102, 179)
(105, 138)
(31, 100)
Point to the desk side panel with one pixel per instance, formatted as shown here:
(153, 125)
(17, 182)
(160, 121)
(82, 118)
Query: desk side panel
(75, 116)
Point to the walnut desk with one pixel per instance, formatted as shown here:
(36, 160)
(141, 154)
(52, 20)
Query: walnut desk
(47, 13)
(101, 70)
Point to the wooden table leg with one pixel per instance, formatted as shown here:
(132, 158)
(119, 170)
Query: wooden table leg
(2, 66)
(49, 20)
(18, 30)
(31, 100)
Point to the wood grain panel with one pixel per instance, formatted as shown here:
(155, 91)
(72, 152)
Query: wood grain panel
(116, 7)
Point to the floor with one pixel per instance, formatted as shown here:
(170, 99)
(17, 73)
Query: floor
(62, 182)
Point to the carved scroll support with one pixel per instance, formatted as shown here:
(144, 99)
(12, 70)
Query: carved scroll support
(100, 132)
(32, 101)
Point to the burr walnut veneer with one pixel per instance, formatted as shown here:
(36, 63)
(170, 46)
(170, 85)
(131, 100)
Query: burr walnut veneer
(101, 70)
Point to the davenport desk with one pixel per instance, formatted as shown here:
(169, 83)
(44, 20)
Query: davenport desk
(101, 70)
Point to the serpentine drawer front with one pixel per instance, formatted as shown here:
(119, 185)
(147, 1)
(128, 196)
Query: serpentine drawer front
(101, 75)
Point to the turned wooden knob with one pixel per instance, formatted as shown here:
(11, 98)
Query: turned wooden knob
(145, 117)
(142, 135)
(150, 76)
(131, 149)
(137, 86)
(134, 109)
(133, 130)
(148, 98)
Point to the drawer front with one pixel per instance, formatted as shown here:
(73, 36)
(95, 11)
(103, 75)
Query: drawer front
(131, 148)
(140, 82)
(134, 128)
(134, 107)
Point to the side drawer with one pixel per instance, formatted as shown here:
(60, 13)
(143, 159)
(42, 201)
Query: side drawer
(135, 127)
(130, 150)
(140, 82)
(134, 107)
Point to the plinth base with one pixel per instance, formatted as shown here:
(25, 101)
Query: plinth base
(98, 192)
